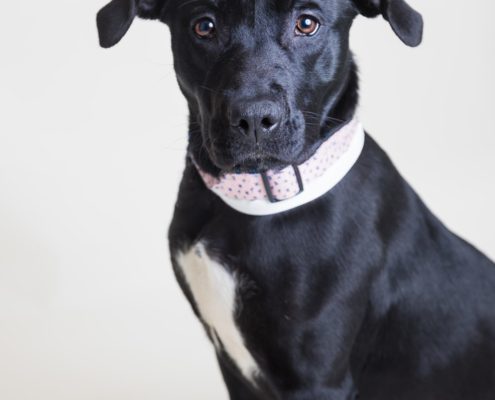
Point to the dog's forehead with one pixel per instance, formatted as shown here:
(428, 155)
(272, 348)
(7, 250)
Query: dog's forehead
(253, 6)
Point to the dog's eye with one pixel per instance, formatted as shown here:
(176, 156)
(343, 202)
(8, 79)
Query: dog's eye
(204, 28)
(307, 25)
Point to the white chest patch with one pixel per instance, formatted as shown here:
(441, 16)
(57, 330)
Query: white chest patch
(214, 290)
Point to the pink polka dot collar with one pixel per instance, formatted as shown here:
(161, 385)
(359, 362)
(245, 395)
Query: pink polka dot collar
(277, 191)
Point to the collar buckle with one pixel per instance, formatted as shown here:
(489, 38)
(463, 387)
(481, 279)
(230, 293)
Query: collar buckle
(268, 189)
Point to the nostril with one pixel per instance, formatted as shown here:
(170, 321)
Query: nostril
(244, 125)
(267, 123)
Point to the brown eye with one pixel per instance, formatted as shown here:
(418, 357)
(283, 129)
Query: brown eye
(307, 25)
(204, 28)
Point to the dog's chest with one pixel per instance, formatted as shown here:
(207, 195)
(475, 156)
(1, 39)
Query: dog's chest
(215, 292)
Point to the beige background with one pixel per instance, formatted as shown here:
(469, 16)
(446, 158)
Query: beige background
(91, 151)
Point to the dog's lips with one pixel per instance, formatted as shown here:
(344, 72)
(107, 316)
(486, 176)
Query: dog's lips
(248, 162)
(226, 161)
(257, 158)
(233, 153)
(245, 161)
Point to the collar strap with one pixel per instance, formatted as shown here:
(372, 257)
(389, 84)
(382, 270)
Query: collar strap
(273, 192)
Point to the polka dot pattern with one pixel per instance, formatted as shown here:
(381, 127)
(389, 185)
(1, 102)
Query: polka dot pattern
(283, 183)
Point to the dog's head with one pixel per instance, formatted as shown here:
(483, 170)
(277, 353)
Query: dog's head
(263, 78)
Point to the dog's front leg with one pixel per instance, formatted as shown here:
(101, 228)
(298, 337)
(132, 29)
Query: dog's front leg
(237, 386)
(346, 392)
(239, 389)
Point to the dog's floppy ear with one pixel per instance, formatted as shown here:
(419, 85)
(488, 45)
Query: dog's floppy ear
(404, 20)
(115, 19)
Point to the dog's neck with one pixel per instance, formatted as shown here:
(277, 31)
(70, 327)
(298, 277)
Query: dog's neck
(276, 191)
(339, 145)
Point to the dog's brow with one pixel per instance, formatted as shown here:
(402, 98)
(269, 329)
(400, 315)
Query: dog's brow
(291, 4)
(192, 2)
(284, 4)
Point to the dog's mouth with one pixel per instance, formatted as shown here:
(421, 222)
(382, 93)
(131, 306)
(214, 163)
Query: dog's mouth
(232, 157)
(252, 165)
(231, 151)
(249, 162)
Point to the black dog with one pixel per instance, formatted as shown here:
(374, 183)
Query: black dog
(354, 292)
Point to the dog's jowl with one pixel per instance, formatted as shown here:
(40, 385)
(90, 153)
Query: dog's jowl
(315, 269)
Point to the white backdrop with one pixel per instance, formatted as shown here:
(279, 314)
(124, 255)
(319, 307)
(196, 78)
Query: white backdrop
(91, 151)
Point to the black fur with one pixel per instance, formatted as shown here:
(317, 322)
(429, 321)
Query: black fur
(362, 293)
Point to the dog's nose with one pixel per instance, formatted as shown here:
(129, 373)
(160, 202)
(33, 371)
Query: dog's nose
(256, 119)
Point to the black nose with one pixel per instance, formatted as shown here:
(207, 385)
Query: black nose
(256, 119)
